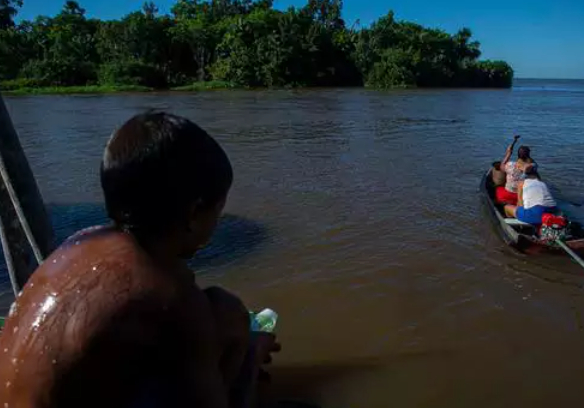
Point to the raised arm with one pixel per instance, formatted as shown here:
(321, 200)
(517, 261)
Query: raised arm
(509, 151)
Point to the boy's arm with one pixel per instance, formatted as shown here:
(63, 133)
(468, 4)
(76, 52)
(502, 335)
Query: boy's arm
(204, 383)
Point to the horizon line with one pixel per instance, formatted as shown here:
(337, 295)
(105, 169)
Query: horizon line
(550, 79)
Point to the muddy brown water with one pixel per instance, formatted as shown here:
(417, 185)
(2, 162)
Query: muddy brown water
(355, 215)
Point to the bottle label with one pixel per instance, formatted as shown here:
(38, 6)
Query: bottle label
(263, 321)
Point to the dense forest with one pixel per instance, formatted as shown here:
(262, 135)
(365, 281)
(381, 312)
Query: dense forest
(243, 43)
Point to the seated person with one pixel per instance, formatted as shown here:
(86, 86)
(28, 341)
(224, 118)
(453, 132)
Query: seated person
(114, 318)
(534, 201)
(498, 176)
(514, 171)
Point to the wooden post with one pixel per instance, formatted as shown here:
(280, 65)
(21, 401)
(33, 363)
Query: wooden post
(25, 227)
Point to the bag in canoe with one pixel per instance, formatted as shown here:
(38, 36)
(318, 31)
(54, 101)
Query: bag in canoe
(553, 227)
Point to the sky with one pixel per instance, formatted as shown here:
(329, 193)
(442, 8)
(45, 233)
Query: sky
(539, 38)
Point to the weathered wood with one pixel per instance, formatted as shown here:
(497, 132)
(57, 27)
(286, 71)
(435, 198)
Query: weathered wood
(26, 228)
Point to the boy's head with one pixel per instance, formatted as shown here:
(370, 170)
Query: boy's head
(530, 171)
(163, 175)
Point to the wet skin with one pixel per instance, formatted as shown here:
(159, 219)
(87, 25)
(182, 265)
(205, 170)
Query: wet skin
(100, 323)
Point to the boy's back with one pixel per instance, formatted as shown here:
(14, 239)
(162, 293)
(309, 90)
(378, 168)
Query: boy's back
(89, 316)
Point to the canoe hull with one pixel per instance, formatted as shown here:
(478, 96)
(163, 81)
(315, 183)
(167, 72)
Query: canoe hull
(522, 239)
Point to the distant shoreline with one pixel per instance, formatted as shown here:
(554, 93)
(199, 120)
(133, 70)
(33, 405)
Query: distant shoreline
(196, 87)
(214, 86)
(110, 89)
(222, 86)
(548, 79)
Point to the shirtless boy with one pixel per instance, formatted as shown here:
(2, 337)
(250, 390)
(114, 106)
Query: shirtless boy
(114, 318)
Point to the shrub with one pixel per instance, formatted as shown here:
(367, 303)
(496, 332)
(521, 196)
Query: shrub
(131, 72)
(67, 72)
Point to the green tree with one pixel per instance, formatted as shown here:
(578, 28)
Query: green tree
(10, 43)
(246, 42)
(326, 12)
(8, 9)
(136, 50)
(62, 49)
(193, 30)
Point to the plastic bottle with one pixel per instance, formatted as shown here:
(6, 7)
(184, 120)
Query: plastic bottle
(264, 321)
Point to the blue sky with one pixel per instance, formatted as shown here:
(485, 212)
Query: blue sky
(539, 38)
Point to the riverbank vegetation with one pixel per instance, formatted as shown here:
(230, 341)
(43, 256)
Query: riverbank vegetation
(209, 44)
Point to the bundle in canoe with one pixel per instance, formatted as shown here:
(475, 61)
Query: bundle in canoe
(522, 236)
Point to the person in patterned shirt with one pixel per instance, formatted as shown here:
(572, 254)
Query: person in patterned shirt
(514, 170)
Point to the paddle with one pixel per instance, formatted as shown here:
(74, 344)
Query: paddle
(509, 151)
(510, 148)
(515, 139)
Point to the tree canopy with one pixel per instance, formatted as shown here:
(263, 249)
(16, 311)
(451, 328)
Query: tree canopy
(243, 42)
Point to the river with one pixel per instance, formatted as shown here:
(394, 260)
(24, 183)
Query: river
(355, 214)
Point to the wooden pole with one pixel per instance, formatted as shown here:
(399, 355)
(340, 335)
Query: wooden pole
(26, 230)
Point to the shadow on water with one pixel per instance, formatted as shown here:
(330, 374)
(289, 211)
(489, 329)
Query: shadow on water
(234, 238)
(316, 385)
(303, 385)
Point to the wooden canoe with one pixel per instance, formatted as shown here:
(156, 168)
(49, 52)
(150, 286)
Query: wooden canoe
(522, 236)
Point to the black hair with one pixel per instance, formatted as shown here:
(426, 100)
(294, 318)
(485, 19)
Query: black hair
(524, 153)
(531, 170)
(156, 166)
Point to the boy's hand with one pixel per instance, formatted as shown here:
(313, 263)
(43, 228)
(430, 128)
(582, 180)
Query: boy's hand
(265, 344)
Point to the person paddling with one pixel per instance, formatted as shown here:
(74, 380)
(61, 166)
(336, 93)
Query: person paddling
(535, 199)
(514, 171)
(114, 318)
